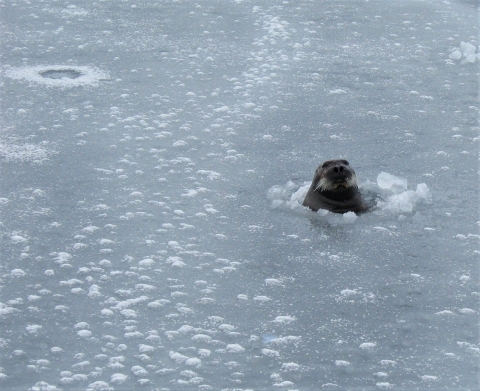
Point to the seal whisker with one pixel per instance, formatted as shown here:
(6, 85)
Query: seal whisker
(323, 185)
(352, 181)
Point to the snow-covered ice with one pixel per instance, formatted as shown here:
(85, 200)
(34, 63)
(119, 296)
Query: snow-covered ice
(154, 159)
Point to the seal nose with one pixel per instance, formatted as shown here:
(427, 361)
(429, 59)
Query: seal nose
(340, 171)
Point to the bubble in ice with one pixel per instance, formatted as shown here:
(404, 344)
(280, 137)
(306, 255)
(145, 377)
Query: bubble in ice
(429, 378)
(290, 366)
(43, 386)
(384, 385)
(284, 319)
(17, 239)
(467, 311)
(234, 348)
(178, 357)
(99, 386)
(445, 313)
(6, 310)
(33, 328)
(193, 362)
(368, 346)
(18, 273)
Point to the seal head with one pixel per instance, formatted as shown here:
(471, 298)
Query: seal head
(334, 187)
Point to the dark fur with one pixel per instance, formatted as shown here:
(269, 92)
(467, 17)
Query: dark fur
(340, 195)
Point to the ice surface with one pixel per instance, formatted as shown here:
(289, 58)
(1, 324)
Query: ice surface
(155, 157)
(59, 76)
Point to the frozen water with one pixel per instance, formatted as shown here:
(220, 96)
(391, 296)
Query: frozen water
(154, 159)
(391, 182)
(60, 76)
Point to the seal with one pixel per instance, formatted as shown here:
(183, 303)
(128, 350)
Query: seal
(334, 188)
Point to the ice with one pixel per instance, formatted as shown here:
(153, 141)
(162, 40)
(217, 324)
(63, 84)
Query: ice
(391, 182)
(467, 311)
(99, 386)
(153, 176)
(284, 319)
(466, 52)
(405, 201)
(367, 346)
(270, 353)
(397, 198)
(25, 152)
(349, 217)
(234, 348)
(384, 385)
(43, 386)
(429, 378)
(290, 366)
(34, 328)
(18, 273)
(6, 310)
(81, 75)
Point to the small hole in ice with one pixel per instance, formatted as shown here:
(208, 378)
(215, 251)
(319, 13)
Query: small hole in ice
(61, 74)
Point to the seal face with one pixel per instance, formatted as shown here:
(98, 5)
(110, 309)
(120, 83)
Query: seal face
(334, 188)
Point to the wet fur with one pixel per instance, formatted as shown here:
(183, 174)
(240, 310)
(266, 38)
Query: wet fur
(334, 188)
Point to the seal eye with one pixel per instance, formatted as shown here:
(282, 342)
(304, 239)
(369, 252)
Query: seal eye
(325, 164)
(345, 162)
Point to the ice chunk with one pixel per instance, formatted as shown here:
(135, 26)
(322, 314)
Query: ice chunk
(193, 362)
(139, 371)
(270, 353)
(290, 366)
(177, 357)
(429, 378)
(423, 191)
(470, 58)
(322, 212)
(234, 348)
(284, 319)
(391, 182)
(118, 378)
(405, 201)
(43, 386)
(467, 48)
(455, 55)
(349, 217)
(367, 346)
(18, 273)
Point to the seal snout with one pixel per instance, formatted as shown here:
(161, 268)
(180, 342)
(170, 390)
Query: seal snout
(338, 173)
